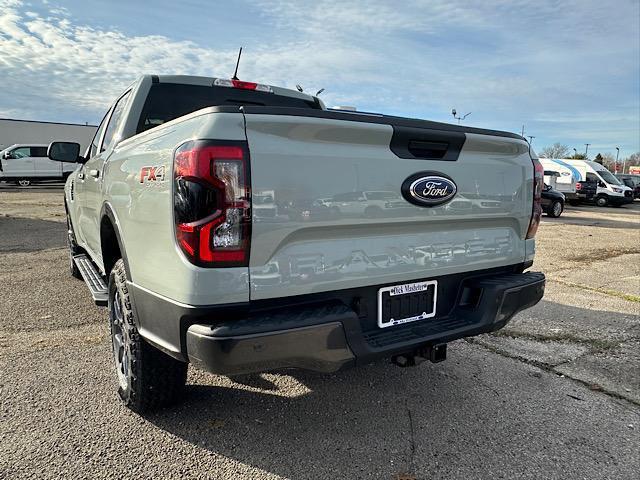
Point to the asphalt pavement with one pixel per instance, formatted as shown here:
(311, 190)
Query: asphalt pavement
(553, 395)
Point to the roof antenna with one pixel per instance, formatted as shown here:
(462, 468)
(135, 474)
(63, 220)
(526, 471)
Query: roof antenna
(235, 73)
(299, 88)
(319, 91)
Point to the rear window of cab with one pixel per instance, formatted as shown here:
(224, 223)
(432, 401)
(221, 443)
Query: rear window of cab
(168, 101)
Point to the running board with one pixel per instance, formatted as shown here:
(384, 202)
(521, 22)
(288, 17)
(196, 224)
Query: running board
(93, 279)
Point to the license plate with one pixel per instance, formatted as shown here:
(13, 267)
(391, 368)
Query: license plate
(406, 303)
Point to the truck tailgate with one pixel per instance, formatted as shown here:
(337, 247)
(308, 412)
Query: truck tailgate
(333, 216)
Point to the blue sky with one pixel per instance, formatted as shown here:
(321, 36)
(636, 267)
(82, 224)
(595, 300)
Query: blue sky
(568, 70)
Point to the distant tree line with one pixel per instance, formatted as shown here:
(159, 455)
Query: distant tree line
(558, 150)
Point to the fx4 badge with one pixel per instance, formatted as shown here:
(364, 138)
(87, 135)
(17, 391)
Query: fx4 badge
(153, 173)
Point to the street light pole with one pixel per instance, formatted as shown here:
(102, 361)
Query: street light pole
(586, 151)
(575, 152)
(617, 155)
(458, 117)
(531, 137)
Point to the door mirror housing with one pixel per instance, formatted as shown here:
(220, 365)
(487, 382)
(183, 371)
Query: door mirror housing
(68, 152)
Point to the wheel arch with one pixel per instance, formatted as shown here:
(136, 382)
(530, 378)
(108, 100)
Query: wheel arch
(111, 245)
(70, 228)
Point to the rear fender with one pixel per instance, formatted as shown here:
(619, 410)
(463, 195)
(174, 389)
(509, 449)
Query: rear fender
(108, 213)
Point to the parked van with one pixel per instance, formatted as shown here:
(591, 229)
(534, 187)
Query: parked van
(631, 181)
(25, 164)
(561, 176)
(611, 191)
(550, 178)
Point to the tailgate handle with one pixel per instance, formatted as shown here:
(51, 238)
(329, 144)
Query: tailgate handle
(427, 143)
(430, 150)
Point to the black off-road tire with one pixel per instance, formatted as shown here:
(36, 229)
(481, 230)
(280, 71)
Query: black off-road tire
(153, 379)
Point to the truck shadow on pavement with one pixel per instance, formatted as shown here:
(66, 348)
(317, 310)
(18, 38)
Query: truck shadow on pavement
(30, 235)
(306, 425)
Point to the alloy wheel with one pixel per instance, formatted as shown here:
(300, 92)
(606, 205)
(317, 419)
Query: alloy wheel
(121, 343)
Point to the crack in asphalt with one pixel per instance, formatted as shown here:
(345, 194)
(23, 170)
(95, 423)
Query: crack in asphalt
(612, 293)
(552, 369)
(412, 438)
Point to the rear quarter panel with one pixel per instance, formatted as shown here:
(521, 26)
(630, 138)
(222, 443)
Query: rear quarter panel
(144, 212)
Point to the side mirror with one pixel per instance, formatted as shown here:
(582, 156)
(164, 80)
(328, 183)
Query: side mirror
(6, 155)
(68, 152)
(601, 184)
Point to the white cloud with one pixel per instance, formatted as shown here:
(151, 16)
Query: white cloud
(510, 62)
(45, 60)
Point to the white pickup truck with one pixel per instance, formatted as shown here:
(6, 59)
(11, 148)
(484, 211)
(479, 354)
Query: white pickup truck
(164, 231)
(26, 163)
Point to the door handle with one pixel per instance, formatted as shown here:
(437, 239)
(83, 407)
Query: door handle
(94, 173)
(81, 176)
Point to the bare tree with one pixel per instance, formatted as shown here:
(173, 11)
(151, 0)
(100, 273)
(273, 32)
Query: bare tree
(633, 159)
(557, 150)
(609, 161)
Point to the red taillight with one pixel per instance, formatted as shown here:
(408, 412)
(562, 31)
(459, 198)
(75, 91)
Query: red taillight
(212, 200)
(536, 211)
(578, 186)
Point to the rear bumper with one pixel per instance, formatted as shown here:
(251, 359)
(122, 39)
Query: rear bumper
(331, 336)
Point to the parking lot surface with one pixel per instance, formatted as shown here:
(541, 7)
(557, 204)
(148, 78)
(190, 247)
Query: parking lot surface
(556, 394)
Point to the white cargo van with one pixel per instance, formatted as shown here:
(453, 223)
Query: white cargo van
(561, 176)
(25, 164)
(611, 191)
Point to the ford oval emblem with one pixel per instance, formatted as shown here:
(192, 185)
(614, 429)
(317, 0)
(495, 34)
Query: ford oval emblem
(428, 189)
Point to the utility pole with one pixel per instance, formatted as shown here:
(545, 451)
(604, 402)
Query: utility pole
(522, 134)
(586, 151)
(617, 155)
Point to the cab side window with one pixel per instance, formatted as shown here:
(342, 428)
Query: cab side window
(21, 152)
(93, 149)
(38, 151)
(114, 121)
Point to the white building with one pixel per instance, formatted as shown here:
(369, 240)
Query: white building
(27, 131)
